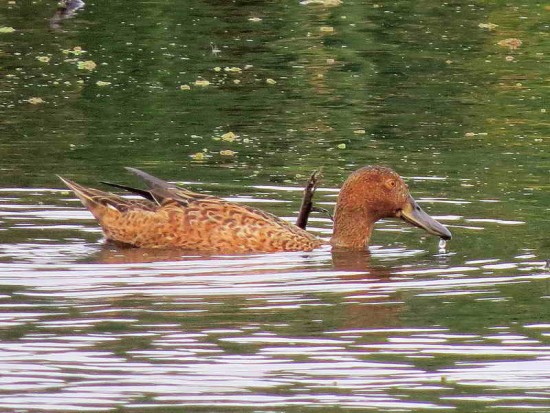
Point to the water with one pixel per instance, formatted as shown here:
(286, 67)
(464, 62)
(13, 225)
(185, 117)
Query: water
(408, 326)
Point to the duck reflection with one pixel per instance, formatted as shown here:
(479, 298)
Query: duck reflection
(116, 253)
(316, 292)
(338, 259)
(351, 260)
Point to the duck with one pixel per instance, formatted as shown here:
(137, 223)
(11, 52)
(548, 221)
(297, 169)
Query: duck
(170, 216)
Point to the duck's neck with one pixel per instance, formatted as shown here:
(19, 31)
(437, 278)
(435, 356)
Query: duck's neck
(352, 228)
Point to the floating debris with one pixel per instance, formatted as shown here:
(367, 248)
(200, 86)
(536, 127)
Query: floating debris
(6, 29)
(87, 65)
(202, 82)
(254, 19)
(326, 3)
(65, 10)
(233, 69)
(229, 137)
(185, 87)
(326, 29)
(43, 59)
(509, 58)
(488, 26)
(36, 101)
(199, 156)
(217, 69)
(76, 51)
(102, 83)
(512, 43)
(215, 50)
(359, 131)
(270, 81)
(341, 146)
(227, 152)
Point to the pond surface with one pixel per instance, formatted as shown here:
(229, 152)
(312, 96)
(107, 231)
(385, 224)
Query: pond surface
(243, 99)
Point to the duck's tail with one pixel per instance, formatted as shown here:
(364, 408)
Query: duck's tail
(95, 200)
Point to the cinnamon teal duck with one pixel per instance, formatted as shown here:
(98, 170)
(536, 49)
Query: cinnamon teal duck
(171, 216)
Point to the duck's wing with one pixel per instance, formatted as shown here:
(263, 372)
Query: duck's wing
(194, 203)
(161, 190)
(141, 192)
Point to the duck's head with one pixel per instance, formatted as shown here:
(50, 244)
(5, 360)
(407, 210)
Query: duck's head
(372, 193)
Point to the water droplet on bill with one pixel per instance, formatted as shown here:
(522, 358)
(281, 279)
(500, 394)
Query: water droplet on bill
(442, 246)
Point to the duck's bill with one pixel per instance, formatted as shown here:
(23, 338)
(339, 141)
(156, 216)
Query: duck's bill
(414, 215)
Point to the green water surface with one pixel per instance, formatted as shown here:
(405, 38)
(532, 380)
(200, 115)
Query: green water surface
(245, 99)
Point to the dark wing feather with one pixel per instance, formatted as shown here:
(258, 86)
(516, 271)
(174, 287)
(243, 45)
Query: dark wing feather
(161, 190)
(137, 191)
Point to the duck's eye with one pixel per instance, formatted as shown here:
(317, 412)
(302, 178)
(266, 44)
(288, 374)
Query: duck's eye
(391, 183)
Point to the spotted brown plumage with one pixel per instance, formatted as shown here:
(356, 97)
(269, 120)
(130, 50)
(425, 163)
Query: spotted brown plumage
(171, 216)
(181, 218)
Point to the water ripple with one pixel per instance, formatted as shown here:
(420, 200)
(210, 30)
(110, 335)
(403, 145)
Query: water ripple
(90, 327)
